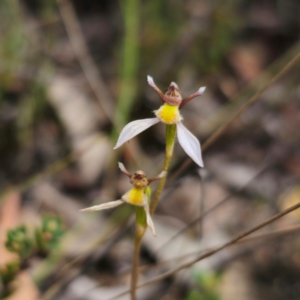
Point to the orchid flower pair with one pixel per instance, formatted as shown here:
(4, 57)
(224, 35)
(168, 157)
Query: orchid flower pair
(168, 113)
(136, 195)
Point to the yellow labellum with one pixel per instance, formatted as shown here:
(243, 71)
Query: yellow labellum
(168, 114)
(135, 196)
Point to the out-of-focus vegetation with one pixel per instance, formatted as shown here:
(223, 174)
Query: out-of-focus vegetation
(26, 245)
(207, 287)
(56, 145)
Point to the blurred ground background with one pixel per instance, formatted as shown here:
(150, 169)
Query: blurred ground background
(72, 73)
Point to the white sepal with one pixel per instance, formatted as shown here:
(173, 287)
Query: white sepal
(123, 169)
(152, 84)
(201, 90)
(104, 206)
(190, 144)
(151, 81)
(149, 219)
(134, 128)
(159, 176)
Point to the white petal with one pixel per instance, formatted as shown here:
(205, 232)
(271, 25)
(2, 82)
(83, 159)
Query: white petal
(159, 176)
(150, 81)
(149, 219)
(189, 98)
(104, 206)
(134, 128)
(123, 169)
(201, 90)
(190, 144)
(152, 84)
(162, 174)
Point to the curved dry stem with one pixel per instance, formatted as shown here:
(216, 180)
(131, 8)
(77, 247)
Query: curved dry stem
(213, 208)
(267, 235)
(87, 64)
(215, 250)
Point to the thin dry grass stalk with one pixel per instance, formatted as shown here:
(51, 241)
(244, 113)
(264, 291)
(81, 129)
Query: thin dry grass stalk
(268, 235)
(271, 162)
(87, 64)
(215, 250)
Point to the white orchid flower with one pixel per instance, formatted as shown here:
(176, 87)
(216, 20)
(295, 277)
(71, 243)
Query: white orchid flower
(136, 195)
(168, 113)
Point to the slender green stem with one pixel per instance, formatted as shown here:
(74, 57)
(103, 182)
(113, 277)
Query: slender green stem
(140, 229)
(129, 62)
(170, 140)
(127, 94)
(135, 266)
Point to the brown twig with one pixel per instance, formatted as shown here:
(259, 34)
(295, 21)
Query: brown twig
(271, 234)
(81, 51)
(271, 161)
(215, 250)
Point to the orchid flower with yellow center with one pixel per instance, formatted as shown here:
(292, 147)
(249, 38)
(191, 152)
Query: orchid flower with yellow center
(137, 195)
(168, 113)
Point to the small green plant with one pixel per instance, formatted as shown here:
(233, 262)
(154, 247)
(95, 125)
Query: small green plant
(48, 235)
(25, 245)
(207, 287)
(7, 275)
(18, 241)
